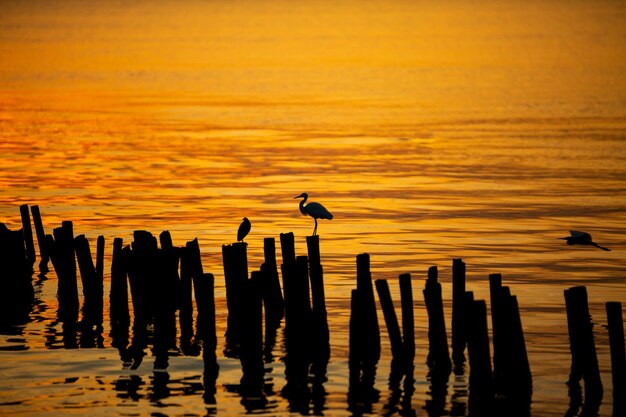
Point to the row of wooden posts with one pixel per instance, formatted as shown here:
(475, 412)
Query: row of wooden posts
(161, 277)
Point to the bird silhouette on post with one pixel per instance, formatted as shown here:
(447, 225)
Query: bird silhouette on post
(315, 210)
(581, 238)
(244, 229)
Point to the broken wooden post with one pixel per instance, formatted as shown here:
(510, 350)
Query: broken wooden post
(366, 295)
(582, 345)
(89, 281)
(28, 234)
(205, 302)
(185, 316)
(321, 334)
(480, 379)
(391, 320)
(251, 354)
(438, 354)
(118, 300)
(17, 294)
(171, 282)
(235, 276)
(459, 338)
(272, 293)
(408, 319)
(64, 263)
(41, 239)
(618, 355)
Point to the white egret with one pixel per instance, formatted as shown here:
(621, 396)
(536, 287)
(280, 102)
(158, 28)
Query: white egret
(315, 210)
(581, 238)
(244, 229)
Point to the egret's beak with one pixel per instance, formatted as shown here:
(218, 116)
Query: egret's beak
(298, 196)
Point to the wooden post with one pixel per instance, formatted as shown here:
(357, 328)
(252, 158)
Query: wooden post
(366, 291)
(480, 380)
(118, 297)
(459, 338)
(171, 282)
(185, 316)
(89, 280)
(17, 294)
(252, 338)
(500, 330)
(235, 277)
(582, 345)
(321, 336)
(408, 320)
(28, 233)
(391, 320)
(64, 263)
(205, 301)
(272, 294)
(438, 354)
(618, 356)
(41, 239)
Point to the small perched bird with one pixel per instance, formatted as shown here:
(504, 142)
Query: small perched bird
(581, 238)
(244, 229)
(315, 210)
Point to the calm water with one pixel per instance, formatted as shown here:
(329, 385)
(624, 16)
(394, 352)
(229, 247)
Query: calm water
(431, 131)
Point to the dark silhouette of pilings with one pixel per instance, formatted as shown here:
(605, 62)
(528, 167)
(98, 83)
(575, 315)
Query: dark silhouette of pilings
(618, 355)
(28, 234)
(251, 354)
(17, 294)
(235, 276)
(408, 319)
(481, 390)
(391, 320)
(369, 321)
(93, 290)
(438, 354)
(185, 303)
(205, 302)
(41, 239)
(273, 302)
(582, 346)
(118, 299)
(64, 262)
(511, 369)
(321, 334)
(364, 341)
(459, 338)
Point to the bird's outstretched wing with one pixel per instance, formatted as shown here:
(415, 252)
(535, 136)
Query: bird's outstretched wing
(580, 235)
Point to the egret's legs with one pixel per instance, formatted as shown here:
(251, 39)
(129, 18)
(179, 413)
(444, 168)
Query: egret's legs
(315, 229)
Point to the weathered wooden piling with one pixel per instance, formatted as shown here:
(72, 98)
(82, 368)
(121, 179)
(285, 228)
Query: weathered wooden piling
(582, 345)
(459, 337)
(28, 233)
(438, 354)
(480, 379)
(17, 293)
(298, 337)
(251, 354)
(511, 369)
(321, 334)
(119, 315)
(41, 239)
(408, 319)
(185, 303)
(368, 308)
(391, 320)
(163, 282)
(618, 355)
(64, 262)
(92, 285)
(205, 302)
(270, 287)
(235, 276)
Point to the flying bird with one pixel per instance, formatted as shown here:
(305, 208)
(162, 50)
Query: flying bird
(581, 238)
(244, 229)
(315, 210)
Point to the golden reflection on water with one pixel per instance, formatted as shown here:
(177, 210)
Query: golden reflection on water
(483, 131)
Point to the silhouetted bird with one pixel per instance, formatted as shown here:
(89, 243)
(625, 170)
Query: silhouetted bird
(315, 210)
(244, 229)
(581, 238)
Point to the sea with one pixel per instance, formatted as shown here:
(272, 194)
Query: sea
(480, 130)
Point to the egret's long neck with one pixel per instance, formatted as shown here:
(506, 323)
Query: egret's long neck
(302, 209)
